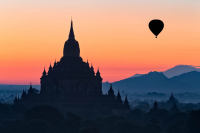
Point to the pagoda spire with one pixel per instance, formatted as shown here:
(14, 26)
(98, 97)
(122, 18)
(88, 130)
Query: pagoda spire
(172, 94)
(98, 73)
(119, 100)
(92, 68)
(155, 107)
(55, 63)
(174, 109)
(15, 100)
(44, 72)
(71, 33)
(110, 91)
(126, 99)
(30, 85)
(71, 47)
(126, 103)
(50, 67)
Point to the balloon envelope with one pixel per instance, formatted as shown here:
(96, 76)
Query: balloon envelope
(156, 26)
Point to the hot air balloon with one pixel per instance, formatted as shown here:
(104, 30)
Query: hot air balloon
(156, 26)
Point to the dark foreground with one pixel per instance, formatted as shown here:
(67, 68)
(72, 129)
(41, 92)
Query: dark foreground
(47, 119)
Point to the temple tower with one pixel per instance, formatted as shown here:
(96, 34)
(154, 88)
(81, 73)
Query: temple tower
(71, 47)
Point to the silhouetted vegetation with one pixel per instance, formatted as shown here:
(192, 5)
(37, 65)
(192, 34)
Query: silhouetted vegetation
(48, 113)
(47, 119)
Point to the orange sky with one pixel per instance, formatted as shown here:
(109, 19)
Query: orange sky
(113, 35)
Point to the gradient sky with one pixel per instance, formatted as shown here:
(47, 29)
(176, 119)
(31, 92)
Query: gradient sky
(113, 35)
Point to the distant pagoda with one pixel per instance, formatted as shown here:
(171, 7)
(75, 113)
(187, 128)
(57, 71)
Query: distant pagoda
(172, 100)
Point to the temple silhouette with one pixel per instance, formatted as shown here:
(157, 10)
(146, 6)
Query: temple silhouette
(72, 85)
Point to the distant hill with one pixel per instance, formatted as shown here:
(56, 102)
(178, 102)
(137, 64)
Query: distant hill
(190, 78)
(158, 82)
(178, 70)
(16, 87)
(175, 71)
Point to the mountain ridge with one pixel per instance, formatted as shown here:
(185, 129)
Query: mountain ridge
(174, 71)
(158, 82)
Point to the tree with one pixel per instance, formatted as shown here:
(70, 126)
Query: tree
(153, 127)
(72, 123)
(44, 112)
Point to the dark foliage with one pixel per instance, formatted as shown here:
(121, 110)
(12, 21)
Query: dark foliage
(42, 112)
(193, 122)
(72, 123)
(105, 125)
(135, 115)
(123, 126)
(89, 130)
(153, 127)
(89, 123)
(4, 111)
(176, 127)
(47, 119)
